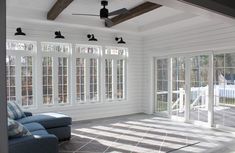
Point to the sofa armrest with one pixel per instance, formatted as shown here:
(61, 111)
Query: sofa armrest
(28, 114)
(36, 144)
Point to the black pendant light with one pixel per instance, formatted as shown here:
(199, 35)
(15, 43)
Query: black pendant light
(91, 37)
(58, 35)
(120, 40)
(19, 32)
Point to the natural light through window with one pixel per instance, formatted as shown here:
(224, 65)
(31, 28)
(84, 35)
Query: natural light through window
(55, 74)
(20, 72)
(58, 74)
(87, 73)
(115, 73)
(47, 80)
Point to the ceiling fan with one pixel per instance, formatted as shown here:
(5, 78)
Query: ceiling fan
(104, 12)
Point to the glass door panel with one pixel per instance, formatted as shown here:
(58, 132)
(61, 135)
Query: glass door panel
(199, 88)
(161, 85)
(224, 89)
(178, 87)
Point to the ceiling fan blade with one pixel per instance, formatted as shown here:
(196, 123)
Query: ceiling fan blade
(108, 22)
(117, 12)
(85, 14)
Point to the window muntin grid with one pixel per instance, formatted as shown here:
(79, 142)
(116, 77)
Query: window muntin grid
(55, 47)
(81, 79)
(120, 78)
(93, 79)
(63, 80)
(109, 79)
(19, 46)
(116, 51)
(161, 85)
(27, 80)
(11, 76)
(47, 67)
(87, 50)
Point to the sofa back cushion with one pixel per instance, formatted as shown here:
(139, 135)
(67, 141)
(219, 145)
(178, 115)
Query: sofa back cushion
(14, 111)
(15, 129)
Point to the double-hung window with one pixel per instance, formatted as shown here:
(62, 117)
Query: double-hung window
(115, 66)
(87, 65)
(55, 73)
(20, 75)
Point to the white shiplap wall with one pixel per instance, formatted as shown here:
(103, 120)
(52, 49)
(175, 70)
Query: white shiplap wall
(45, 32)
(205, 36)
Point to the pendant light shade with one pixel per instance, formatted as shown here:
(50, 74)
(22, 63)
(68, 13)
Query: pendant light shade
(58, 35)
(19, 32)
(91, 37)
(120, 40)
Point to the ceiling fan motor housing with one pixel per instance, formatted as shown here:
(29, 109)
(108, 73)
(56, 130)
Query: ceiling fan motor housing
(104, 13)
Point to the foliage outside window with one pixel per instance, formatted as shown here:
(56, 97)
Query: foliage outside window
(20, 72)
(87, 73)
(115, 73)
(55, 74)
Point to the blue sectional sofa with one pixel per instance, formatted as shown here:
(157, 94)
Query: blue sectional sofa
(39, 142)
(54, 123)
(46, 129)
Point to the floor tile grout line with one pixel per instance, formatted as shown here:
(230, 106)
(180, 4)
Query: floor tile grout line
(141, 139)
(83, 145)
(94, 139)
(166, 133)
(117, 138)
(162, 143)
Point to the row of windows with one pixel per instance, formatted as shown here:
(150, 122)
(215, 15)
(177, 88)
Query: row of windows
(63, 75)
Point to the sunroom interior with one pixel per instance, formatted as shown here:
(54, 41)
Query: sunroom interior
(154, 76)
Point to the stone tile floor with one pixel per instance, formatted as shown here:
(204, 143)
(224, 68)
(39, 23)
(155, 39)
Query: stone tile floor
(142, 133)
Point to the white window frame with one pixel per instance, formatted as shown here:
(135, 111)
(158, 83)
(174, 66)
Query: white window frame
(87, 57)
(18, 81)
(156, 93)
(55, 56)
(115, 58)
(8, 69)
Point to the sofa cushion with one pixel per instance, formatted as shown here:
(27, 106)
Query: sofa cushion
(14, 110)
(39, 132)
(62, 133)
(15, 129)
(34, 144)
(48, 120)
(34, 126)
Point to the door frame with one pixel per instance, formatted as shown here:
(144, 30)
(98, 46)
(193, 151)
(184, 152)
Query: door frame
(187, 56)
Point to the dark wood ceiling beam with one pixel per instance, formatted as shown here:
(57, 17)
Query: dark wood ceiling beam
(57, 8)
(224, 7)
(132, 13)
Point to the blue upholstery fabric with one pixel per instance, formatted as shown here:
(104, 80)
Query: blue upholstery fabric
(62, 133)
(39, 132)
(39, 126)
(28, 114)
(16, 129)
(34, 126)
(34, 144)
(14, 111)
(48, 120)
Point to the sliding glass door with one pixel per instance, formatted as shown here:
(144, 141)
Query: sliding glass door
(178, 87)
(161, 86)
(199, 86)
(224, 89)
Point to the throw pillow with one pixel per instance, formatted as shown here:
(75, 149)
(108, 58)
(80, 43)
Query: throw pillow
(14, 111)
(16, 129)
